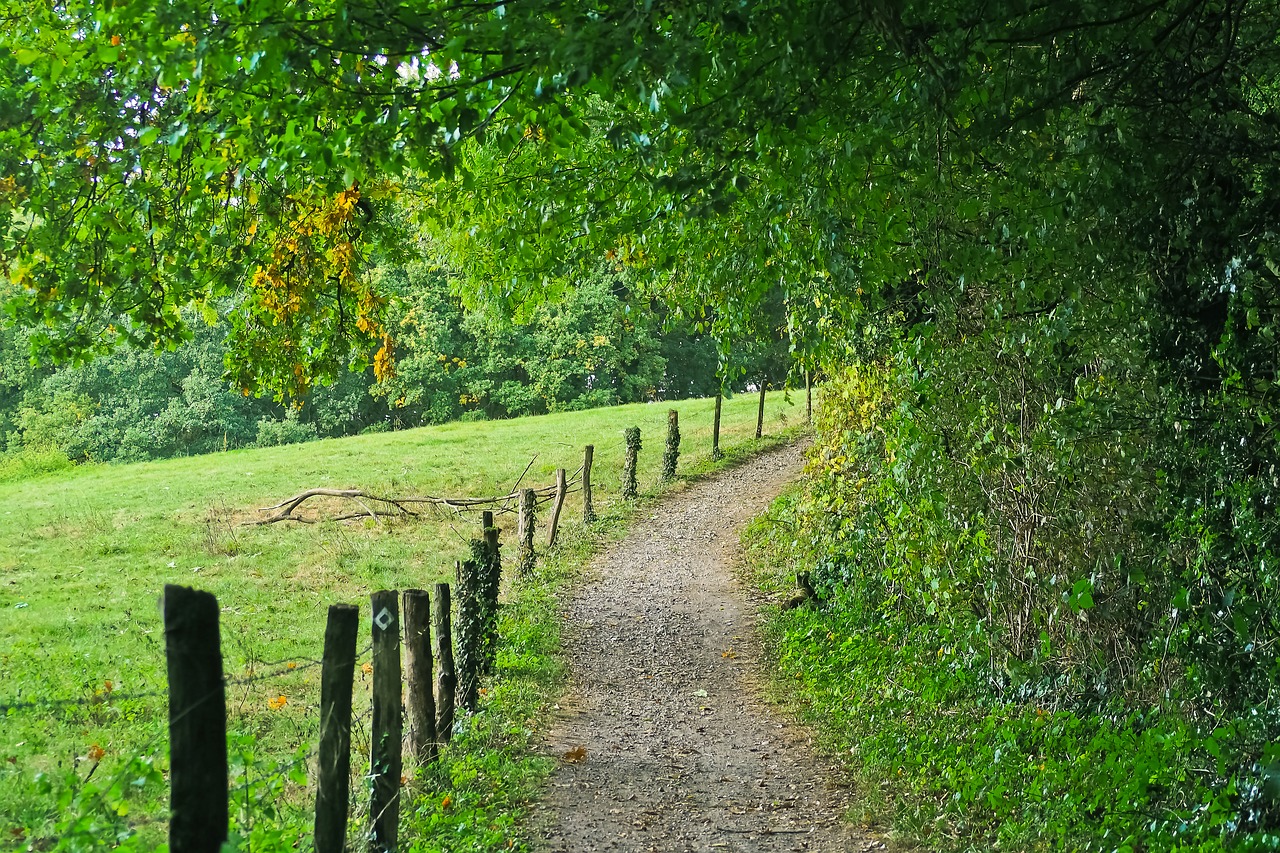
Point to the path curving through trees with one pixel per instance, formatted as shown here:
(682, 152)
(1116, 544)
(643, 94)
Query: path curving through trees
(664, 742)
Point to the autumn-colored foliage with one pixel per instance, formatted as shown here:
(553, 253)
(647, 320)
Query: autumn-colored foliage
(308, 293)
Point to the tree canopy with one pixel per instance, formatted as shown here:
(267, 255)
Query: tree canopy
(157, 157)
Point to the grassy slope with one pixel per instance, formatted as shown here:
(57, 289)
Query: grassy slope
(84, 556)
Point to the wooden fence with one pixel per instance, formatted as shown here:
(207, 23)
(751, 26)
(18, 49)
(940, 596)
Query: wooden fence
(426, 667)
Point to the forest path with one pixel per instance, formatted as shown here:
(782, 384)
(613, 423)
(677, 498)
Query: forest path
(664, 741)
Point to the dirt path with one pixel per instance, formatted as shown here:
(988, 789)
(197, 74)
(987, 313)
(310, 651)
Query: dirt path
(681, 751)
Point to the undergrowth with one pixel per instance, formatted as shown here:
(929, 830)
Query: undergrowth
(941, 758)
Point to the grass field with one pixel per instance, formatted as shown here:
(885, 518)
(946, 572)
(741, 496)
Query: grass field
(85, 554)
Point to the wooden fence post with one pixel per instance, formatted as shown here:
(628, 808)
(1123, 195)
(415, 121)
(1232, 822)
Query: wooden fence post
(420, 703)
(629, 487)
(490, 584)
(525, 557)
(671, 455)
(197, 722)
(808, 397)
(337, 677)
(446, 677)
(715, 430)
(760, 412)
(470, 627)
(553, 526)
(387, 726)
(588, 511)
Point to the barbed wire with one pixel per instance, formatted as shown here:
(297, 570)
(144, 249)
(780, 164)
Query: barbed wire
(283, 667)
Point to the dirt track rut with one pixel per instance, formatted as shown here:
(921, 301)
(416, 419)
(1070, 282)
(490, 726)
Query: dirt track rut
(664, 741)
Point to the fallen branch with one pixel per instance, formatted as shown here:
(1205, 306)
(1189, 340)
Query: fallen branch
(392, 506)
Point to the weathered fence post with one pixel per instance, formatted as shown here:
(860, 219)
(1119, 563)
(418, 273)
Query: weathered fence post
(387, 726)
(562, 489)
(632, 437)
(525, 557)
(420, 703)
(446, 677)
(197, 722)
(808, 397)
(470, 627)
(337, 677)
(760, 411)
(715, 430)
(671, 455)
(588, 511)
(490, 583)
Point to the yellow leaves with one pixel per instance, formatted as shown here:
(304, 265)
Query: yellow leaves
(11, 195)
(337, 214)
(384, 362)
(576, 755)
(308, 284)
(600, 341)
(366, 668)
(341, 257)
(277, 702)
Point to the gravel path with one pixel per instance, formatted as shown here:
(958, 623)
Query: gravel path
(664, 741)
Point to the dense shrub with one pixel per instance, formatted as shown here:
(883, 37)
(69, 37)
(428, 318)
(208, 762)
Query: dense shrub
(1045, 561)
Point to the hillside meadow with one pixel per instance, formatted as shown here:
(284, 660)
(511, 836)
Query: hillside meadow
(85, 554)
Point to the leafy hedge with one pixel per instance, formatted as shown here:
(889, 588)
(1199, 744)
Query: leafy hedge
(1047, 622)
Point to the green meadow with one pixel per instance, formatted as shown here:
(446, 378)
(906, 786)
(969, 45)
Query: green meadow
(85, 554)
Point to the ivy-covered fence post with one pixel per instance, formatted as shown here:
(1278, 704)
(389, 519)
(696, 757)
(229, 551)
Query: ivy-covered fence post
(490, 581)
(470, 626)
(671, 455)
(632, 437)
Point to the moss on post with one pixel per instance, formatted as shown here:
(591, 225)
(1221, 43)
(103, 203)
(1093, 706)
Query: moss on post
(671, 455)
(632, 437)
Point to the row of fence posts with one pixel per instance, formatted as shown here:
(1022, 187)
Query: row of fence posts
(431, 685)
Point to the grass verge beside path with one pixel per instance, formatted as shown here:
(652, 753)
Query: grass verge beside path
(84, 555)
